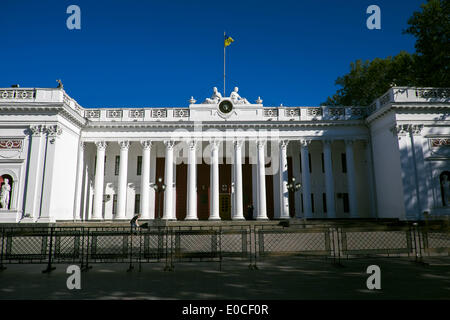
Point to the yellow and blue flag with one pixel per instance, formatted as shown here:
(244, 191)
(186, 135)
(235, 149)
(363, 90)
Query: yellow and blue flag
(228, 40)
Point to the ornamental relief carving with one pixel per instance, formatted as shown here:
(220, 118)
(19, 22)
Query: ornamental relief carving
(10, 147)
(439, 146)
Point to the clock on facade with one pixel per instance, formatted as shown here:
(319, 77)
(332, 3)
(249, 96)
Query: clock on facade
(225, 106)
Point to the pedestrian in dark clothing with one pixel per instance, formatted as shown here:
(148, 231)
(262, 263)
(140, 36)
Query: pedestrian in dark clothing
(134, 222)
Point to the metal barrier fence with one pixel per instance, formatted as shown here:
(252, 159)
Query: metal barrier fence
(246, 243)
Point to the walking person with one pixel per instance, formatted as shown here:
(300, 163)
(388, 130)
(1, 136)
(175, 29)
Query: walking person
(134, 222)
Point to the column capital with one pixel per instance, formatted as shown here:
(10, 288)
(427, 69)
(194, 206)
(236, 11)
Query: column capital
(349, 141)
(125, 144)
(327, 142)
(305, 143)
(192, 144)
(261, 143)
(283, 143)
(169, 144)
(416, 129)
(37, 130)
(146, 144)
(215, 143)
(54, 130)
(101, 145)
(237, 143)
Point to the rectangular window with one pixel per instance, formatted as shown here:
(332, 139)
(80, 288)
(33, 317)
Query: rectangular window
(312, 202)
(116, 166)
(309, 158)
(346, 203)
(324, 200)
(302, 202)
(301, 165)
(137, 203)
(114, 208)
(139, 165)
(323, 164)
(344, 162)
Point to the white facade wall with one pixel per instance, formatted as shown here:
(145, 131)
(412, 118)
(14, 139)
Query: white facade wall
(400, 152)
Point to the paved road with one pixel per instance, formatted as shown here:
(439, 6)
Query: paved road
(277, 278)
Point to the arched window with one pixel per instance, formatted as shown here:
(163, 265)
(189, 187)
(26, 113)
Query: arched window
(444, 180)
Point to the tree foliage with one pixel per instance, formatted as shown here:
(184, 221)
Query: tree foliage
(428, 67)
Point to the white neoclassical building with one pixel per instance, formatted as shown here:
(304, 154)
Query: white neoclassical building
(223, 159)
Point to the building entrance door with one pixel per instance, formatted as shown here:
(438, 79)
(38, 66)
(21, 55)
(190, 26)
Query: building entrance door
(225, 206)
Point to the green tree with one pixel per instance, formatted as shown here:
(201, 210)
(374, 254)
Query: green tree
(431, 27)
(368, 80)
(428, 67)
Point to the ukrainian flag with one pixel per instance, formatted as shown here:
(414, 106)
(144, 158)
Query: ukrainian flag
(228, 41)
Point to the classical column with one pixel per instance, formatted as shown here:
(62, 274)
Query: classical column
(77, 214)
(145, 180)
(168, 180)
(192, 182)
(238, 211)
(329, 180)
(214, 181)
(34, 173)
(97, 213)
(262, 206)
(123, 183)
(351, 178)
(370, 181)
(284, 193)
(46, 214)
(297, 174)
(306, 178)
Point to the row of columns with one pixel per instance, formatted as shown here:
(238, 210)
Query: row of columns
(237, 214)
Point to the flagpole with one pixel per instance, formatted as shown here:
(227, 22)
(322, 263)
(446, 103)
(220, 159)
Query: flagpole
(224, 34)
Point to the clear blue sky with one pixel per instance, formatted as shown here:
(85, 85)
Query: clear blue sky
(160, 53)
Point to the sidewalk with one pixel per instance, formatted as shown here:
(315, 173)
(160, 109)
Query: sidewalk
(276, 278)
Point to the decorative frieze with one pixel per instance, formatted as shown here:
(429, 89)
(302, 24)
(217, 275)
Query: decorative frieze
(440, 142)
(114, 114)
(17, 94)
(385, 99)
(314, 112)
(181, 113)
(433, 93)
(159, 113)
(11, 144)
(136, 113)
(358, 112)
(92, 114)
(272, 112)
(336, 112)
(292, 112)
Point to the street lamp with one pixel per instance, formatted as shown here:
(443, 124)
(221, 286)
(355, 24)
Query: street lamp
(159, 187)
(294, 187)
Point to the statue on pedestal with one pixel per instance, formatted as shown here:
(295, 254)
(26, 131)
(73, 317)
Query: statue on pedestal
(5, 194)
(215, 98)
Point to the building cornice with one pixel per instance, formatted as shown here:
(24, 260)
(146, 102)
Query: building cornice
(45, 108)
(220, 124)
